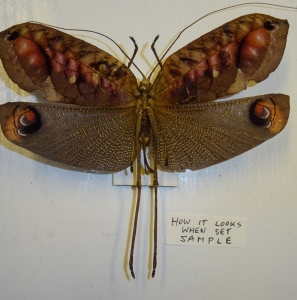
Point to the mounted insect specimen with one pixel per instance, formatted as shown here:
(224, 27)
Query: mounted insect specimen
(103, 119)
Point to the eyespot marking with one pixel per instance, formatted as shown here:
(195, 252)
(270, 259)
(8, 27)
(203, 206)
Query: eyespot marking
(27, 121)
(264, 112)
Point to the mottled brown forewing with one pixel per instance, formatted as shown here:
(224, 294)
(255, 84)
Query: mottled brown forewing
(223, 62)
(64, 68)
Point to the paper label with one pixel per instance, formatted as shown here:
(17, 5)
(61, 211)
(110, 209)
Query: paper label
(215, 231)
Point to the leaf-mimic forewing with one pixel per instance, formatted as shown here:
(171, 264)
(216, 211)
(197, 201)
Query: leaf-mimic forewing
(64, 68)
(222, 62)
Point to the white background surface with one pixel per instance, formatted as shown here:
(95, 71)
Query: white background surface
(63, 234)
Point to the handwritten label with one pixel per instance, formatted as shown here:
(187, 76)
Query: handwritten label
(193, 230)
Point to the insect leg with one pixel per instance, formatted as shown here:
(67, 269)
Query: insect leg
(138, 186)
(135, 216)
(155, 206)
